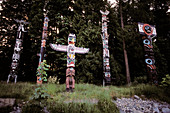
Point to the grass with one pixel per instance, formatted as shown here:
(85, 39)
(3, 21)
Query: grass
(86, 97)
(18, 91)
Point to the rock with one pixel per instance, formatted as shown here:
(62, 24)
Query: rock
(121, 111)
(4, 102)
(165, 110)
(155, 108)
(137, 105)
(136, 111)
(137, 97)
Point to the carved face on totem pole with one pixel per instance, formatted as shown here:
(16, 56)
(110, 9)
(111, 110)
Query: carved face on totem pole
(71, 50)
(148, 32)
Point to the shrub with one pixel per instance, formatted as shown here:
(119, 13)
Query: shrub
(40, 93)
(53, 79)
(166, 81)
(41, 70)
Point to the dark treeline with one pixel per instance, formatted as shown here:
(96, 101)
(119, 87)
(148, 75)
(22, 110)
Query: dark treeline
(84, 19)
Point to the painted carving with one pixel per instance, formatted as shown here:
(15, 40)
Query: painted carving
(106, 55)
(43, 43)
(17, 51)
(71, 50)
(148, 32)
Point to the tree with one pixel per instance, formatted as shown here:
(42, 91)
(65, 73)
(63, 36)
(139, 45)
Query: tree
(124, 49)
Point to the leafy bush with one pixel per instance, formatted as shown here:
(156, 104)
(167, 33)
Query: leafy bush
(40, 93)
(37, 101)
(53, 79)
(41, 70)
(166, 81)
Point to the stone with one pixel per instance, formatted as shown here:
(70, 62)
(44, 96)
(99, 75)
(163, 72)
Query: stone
(165, 110)
(4, 102)
(136, 111)
(155, 108)
(133, 105)
(137, 97)
(121, 111)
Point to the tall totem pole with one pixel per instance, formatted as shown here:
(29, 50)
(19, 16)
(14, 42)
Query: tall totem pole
(43, 43)
(105, 37)
(17, 51)
(148, 32)
(71, 50)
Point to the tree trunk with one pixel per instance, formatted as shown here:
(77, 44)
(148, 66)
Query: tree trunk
(124, 49)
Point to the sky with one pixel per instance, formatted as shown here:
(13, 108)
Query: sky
(113, 1)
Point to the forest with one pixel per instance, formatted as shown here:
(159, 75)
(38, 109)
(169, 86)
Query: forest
(83, 18)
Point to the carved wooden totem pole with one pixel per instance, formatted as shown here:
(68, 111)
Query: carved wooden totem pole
(105, 37)
(43, 43)
(148, 32)
(17, 51)
(71, 50)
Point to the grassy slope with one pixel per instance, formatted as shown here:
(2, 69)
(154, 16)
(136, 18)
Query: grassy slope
(84, 91)
(84, 96)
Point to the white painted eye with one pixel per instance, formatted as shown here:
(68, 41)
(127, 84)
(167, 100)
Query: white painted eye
(148, 61)
(146, 41)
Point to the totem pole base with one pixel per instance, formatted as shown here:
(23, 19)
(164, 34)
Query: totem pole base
(69, 83)
(13, 77)
(106, 81)
(69, 89)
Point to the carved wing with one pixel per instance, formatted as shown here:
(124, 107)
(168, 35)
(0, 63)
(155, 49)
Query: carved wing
(59, 47)
(104, 13)
(81, 50)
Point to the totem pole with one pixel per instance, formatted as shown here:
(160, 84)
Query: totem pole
(71, 50)
(17, 50)
(43, 43)
(148, 32)
(105, 37)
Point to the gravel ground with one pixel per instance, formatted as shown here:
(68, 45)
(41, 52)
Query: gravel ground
(137, 105)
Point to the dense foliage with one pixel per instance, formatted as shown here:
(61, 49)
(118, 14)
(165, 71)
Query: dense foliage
(83, 18)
